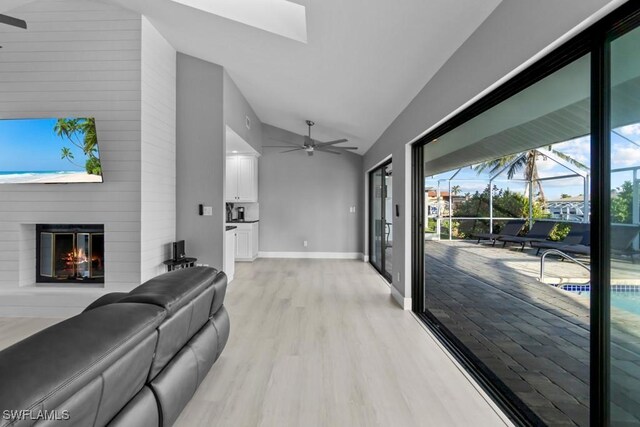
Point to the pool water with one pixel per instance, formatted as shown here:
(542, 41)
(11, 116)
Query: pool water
(627, 301)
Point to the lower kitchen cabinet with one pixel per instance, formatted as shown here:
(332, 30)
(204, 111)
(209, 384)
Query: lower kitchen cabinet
(247, 241)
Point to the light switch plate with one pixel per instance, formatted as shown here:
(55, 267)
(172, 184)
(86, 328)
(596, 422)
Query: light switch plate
(208, 211)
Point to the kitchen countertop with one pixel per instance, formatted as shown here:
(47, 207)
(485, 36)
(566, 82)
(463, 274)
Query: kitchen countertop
(230, 227)
(235, 221)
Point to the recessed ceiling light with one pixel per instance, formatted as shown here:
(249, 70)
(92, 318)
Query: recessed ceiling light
(234, 151)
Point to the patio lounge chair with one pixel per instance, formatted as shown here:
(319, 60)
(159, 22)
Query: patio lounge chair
(622, 237)
(578, 235)
(539, 232)
(511, 228)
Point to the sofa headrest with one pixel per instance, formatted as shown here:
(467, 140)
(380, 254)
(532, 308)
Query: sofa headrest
(45, 369)
(173, 290)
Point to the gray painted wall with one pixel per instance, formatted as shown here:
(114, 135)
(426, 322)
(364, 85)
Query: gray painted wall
(200, 158)
(236, 110)
(207, 99)
(79, 58)
(158, 150)
(308, 198)
(515, 32)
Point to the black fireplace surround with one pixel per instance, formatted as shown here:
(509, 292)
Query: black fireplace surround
(70, 253)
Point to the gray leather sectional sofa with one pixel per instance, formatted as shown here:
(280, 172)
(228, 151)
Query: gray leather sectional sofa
(130, 359)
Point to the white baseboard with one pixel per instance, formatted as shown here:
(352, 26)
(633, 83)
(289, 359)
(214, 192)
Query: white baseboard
(365, 258)
(404, 303)
(312, 255)
(247, 259)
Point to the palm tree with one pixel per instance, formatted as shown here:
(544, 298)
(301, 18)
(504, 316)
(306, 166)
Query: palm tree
(526, 161)
(67, 154)
(81, 132)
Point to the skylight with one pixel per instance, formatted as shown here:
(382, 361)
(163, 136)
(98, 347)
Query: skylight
(280, 17)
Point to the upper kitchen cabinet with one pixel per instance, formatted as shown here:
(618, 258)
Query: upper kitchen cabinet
(242, 178)
(242, 169)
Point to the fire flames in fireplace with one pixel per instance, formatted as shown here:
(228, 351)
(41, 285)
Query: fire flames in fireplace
(77, 262)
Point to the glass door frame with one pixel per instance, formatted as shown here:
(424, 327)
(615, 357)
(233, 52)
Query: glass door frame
(382, 269)
(595, 40)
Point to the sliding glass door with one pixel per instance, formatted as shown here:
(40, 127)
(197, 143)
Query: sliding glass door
(526, 245)
(511, 187)
(381, 220)
(623, 252)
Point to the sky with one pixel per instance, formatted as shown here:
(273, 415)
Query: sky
(31, 145)
(624, 153)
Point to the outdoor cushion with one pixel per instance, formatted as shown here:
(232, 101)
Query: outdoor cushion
(511, 228)
(539, 231)
(578, 235)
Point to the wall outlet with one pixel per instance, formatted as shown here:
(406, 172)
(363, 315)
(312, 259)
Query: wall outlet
(304, 243)
(352, 209)
(208, 211)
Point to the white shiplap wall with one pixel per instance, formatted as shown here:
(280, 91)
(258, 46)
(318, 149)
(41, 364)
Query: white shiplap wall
(158, 150)
(78, 58)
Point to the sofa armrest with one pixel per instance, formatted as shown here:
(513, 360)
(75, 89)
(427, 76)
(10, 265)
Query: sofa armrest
(220, 284)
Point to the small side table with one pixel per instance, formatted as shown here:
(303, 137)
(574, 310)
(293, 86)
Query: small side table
(181, 263)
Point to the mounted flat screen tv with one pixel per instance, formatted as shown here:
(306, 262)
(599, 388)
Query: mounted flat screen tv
(49, 151)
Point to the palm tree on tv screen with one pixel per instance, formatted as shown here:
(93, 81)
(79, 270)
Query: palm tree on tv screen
(81, 132)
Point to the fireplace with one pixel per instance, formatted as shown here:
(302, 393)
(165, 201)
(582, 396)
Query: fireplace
(67, 253)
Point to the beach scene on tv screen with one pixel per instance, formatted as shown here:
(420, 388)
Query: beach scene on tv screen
(49, 151)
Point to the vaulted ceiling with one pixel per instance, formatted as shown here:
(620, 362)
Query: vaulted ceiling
(362, 63)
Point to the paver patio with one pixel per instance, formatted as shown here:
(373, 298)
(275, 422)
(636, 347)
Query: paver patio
(533, 336)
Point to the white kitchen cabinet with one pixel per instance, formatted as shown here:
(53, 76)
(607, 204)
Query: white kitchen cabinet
(242, 179)
(247, 241)
(243, 241)
(230, 254)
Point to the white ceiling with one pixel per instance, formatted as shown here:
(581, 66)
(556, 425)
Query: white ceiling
(363, 62)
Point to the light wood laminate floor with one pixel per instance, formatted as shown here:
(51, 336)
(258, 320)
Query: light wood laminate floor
(321, 343)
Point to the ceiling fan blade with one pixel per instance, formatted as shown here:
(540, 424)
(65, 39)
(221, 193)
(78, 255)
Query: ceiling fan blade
(9, 20)
(347, 148)
(286, 142)
(337, 141)
(324, 150)
(278, 146)
(295, 149)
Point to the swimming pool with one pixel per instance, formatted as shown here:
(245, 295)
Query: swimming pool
(627, 298)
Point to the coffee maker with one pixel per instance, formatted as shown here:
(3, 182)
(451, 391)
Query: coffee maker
(240, 210)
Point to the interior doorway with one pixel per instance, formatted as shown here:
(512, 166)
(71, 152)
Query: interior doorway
(381, 224)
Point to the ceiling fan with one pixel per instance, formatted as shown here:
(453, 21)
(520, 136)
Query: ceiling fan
(311, 145)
